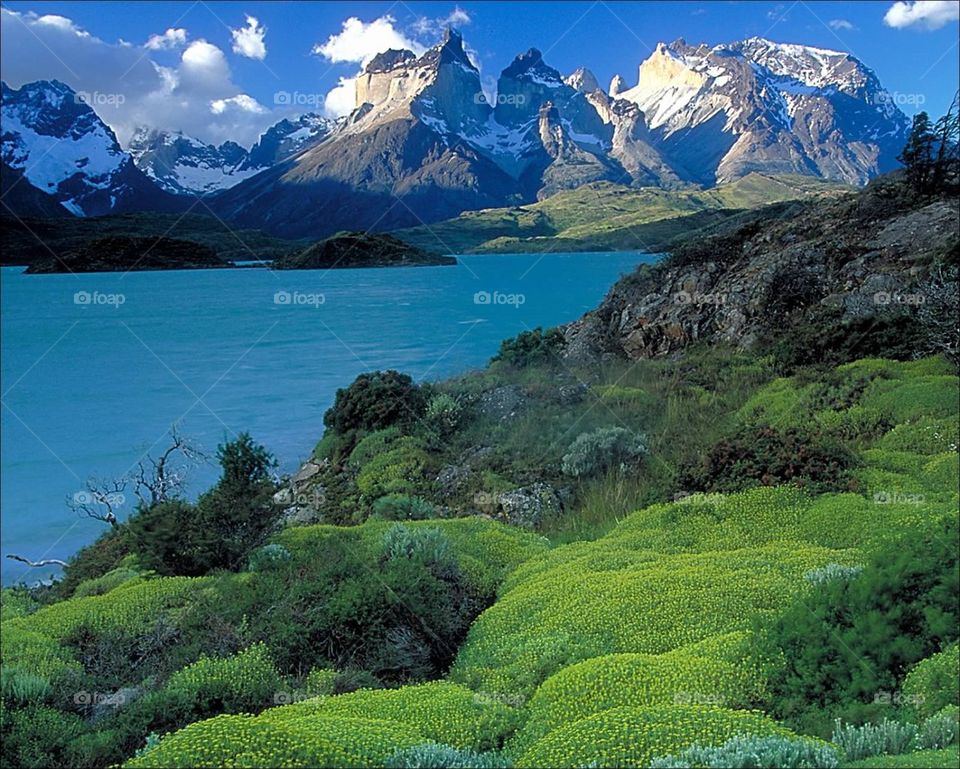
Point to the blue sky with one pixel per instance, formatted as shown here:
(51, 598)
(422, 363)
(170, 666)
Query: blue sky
(103, 47)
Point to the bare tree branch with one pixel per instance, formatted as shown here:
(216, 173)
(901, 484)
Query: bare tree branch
(44, 562)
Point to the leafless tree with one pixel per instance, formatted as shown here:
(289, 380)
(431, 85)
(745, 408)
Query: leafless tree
(43, 562)
(153, 480)
(100, 500)
(159, 479)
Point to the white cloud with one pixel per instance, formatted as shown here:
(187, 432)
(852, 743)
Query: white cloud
(840, 24)
(172, 38)
(457, 18)
(241, 102)
(340, 100)
(925, 14)
(179, 97)
(358, 42)
(248, 40)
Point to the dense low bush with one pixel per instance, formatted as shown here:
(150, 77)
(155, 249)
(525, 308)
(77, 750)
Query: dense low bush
(934, 683)
(375, 401)
(604, 449)
(431, 756)
(848, 642)
(886, 738)
(768, 456)
(528, 348)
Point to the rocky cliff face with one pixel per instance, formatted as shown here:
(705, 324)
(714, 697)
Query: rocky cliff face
(719, 113)
(864, 256)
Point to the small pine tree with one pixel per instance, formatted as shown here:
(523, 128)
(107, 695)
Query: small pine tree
(918, 154)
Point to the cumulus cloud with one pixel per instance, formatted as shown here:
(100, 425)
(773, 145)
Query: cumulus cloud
(172, 38)
(340, 100)
(925, 14)
(184, 96)
(358, 42)
(241, 102)
(248, 40)
(840, 24)
(456, 18)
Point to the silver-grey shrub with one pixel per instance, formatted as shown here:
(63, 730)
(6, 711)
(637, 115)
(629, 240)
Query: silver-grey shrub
(603, 449)
(753, 752)
(887, 738)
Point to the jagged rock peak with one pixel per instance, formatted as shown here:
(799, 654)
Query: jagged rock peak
(582, 80)
(388, 60)
(531, 63)
(448, 51)
(617, 84)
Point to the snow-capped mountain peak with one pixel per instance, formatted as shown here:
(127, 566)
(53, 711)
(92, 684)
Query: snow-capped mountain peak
(65, 150)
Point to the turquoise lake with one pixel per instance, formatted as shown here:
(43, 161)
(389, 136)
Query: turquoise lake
(97, 367)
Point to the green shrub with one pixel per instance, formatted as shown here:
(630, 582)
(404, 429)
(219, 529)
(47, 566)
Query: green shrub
(106, 583)
(934, 683)
(39, 736)
(768, 456)
(399, 470)
(750, 752)
(444, 414)
(374, 401)
(603, 449)
(244, 683)
(320, 682)
(373, 444)
(846, 641)
(433, 756)
(402, 507)
(882, 739)
(529, 348)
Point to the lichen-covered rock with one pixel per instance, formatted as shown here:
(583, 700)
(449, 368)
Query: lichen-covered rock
(528, 506)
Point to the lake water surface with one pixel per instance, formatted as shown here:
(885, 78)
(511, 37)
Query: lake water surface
(96, 367)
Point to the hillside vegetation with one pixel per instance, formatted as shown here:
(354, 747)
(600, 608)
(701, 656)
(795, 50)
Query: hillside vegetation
(603, 216)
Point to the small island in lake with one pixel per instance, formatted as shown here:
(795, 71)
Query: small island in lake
(358, 249)
(122, 253)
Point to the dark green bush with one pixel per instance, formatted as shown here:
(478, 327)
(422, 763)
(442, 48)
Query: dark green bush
(375, 401)
(529, 348)
(402, 507)
(847, 643)
(765, 456)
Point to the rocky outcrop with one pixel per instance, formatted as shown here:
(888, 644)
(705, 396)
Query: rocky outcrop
(862, 255)
(360, 249)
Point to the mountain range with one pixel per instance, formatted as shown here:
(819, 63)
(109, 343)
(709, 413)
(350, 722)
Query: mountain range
(425, 142)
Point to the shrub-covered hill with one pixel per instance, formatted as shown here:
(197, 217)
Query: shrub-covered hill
(747, 604)
(601, 216)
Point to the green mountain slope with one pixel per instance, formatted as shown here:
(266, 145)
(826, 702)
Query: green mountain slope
(605, 217)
